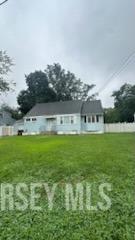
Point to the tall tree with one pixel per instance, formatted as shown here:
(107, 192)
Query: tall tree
(66, 85)
(5, 67)
(54, 84)
(124, 101)
(38, 91)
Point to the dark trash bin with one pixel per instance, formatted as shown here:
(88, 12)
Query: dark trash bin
(20, 132)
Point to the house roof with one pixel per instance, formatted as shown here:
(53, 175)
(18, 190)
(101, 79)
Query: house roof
(6, 118)
(20, 122)
(92, 107)
(65, 107)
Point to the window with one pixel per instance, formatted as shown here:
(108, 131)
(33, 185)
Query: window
(61, 120)
(85, 119)
(27, 119)
(97, 118)
(34, 119)
(72, 120)
(89, 119)
(67, 120)
(93, 119)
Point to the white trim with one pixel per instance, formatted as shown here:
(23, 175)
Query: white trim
(52, 115)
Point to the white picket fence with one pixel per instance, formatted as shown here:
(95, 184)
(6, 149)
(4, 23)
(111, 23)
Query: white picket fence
(108, 128)
(6, 131)
(119, 127)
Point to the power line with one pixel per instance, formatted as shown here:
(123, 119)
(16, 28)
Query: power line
(3, 2)
(116, 73)
(127, 61)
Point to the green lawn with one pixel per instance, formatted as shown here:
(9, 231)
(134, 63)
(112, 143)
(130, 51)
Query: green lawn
(93, 159)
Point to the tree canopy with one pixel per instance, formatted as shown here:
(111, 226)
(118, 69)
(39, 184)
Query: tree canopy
(111, 115)
(52, 84)
(124, 102)
(65, 84)
(124, 105)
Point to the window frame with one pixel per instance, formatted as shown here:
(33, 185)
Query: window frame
(97, 118)
(72, 120)
(93, 119)
(85, 119)
(61, 120)
(66, 120)
(28, 119)
(34, 119)
(89, 119)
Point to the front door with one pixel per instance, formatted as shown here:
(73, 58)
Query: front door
(50, 124)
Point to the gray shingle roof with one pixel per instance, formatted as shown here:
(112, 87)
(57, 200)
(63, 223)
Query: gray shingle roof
(92, 107)
(65, 107)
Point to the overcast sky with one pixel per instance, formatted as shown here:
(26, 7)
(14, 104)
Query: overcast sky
(91, 38)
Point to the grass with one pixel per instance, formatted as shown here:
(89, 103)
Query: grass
(70, 159)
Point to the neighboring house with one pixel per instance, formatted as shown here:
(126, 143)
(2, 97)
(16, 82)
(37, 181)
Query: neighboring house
(65, 117)
(6, 118)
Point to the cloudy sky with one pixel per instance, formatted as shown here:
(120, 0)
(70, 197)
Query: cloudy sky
(91, 38)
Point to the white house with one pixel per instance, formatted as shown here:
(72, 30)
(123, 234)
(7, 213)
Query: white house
(65, 117)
